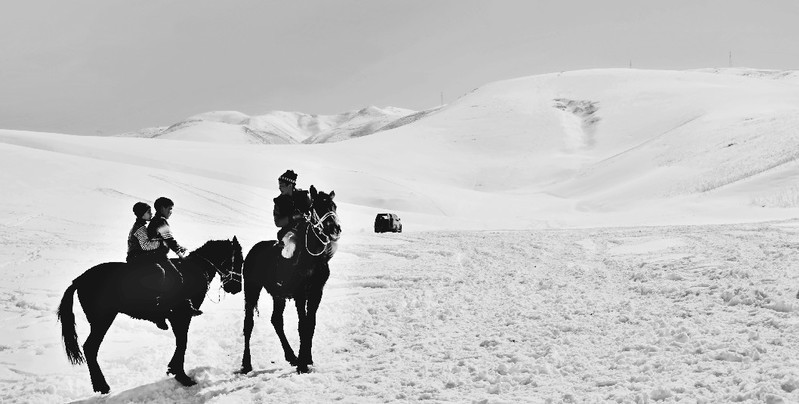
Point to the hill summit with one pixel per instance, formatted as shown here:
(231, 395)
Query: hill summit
(281, 127)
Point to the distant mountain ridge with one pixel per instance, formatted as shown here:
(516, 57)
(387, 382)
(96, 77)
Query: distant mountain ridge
(281, 127)
(576, 148)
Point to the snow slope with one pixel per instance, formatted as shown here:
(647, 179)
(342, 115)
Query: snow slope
(277, 127)
(513, 281)
(787, 76)
(568, 149)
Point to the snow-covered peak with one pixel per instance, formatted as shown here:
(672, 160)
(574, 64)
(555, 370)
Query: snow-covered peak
(277, 127)
(229, 117)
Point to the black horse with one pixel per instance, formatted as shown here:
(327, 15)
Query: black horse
(116, 287)
(301, 277)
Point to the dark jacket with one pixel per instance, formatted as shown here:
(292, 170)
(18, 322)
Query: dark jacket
(159, 230)
(288, 205)
(140, 247)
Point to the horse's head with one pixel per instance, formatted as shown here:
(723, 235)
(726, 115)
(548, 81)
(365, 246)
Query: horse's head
(224, 258)
(231, 281)
(324, 214)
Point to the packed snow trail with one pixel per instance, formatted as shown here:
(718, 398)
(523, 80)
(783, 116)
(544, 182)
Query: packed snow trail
(657, 314)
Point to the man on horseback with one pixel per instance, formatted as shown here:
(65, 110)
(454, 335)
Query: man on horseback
(290, 206)
(160, 231)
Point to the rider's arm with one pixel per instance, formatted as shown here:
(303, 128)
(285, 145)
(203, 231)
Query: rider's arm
(163, 232)
(281, 220)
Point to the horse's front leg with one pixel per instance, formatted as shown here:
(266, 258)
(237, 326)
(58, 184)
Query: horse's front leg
(279, 304)
(250, 302)
(180, 327)
(306, 311)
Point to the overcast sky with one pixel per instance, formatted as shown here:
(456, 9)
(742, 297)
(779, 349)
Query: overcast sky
(110, 66)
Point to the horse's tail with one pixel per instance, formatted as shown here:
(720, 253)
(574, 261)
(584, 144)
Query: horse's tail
(67, 318)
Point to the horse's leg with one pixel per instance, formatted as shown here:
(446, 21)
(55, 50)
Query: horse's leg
(279, 304)
(180, 327)
(91, 347)
(306, 328)
(251, 296)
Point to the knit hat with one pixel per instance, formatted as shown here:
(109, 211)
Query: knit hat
(140, 208)
(289, 176)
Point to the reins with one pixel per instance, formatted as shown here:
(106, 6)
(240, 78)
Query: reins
(224, 277)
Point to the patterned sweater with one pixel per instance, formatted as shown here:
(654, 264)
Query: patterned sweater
(159, 230)
(139, 245)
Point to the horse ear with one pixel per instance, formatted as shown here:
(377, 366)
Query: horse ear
(235, 240)
(332, 194)
(313, 192)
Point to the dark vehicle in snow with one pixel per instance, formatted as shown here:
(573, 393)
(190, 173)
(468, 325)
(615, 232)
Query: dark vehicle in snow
(387, 222)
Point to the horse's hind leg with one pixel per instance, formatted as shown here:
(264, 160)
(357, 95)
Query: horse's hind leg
(306, 311)
(279, 304)
(91, 347)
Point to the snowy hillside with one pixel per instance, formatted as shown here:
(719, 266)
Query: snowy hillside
(278, 127)
(528, 270)
(583, 148)
(786, 76)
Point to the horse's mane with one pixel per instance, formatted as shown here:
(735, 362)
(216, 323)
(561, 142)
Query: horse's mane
(210, 246)
(214, 249)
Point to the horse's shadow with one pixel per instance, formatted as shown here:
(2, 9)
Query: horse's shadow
(169, 390)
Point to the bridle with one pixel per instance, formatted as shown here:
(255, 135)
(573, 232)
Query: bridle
(316, 226)
(228, 276)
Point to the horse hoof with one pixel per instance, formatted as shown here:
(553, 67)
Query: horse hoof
(185, 380)
(101, 388)
(302, 369)
(244, 370)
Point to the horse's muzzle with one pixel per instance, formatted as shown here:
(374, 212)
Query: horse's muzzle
(232, 287)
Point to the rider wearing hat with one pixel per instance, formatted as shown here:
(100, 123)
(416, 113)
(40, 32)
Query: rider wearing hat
(143, 250)
(160, 231)
(291, 205)
(140, 247)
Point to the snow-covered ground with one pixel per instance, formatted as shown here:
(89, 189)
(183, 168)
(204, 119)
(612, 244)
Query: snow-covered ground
(592, 236)
(654, 314)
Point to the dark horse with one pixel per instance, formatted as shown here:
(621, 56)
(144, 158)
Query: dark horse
(300, 277)
(116, 287)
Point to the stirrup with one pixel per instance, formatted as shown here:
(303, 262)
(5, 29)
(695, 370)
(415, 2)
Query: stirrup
(191, 310)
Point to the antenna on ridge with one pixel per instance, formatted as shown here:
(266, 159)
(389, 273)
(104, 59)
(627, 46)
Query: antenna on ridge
(730, 58)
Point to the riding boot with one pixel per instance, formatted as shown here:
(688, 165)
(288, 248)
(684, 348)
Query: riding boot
(188, 307)
(161, 323)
